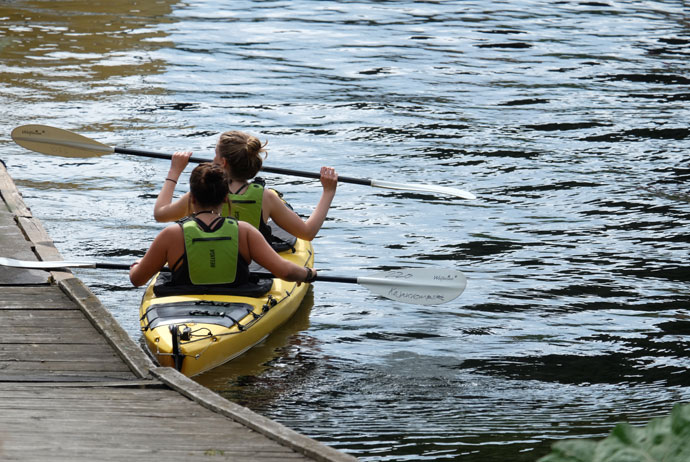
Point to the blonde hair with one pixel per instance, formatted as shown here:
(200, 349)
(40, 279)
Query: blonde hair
(242, 153)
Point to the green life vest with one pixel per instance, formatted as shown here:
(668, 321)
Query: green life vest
(246, 206)
(212, 256)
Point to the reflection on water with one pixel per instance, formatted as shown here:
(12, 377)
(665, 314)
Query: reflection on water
(58, 57)
(566, 119)
(90, 44)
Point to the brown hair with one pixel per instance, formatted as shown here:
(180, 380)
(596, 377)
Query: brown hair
(209, 185)
(242, 152)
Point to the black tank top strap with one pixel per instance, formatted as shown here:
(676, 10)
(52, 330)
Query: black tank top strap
(178, 264)
(209, 228)
(242, 188)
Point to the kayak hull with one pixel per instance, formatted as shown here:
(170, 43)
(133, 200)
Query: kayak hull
(197, 332)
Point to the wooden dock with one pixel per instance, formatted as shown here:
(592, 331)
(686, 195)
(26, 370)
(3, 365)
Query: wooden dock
(74, 386)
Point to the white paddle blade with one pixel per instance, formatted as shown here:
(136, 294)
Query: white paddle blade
(424, 188)
(45, 264)
(57, 142)
(420, 286)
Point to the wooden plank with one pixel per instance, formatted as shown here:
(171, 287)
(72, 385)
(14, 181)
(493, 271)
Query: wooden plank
(40, 297)
(38, 318)
(143, 438)
(119, 454)
(99, 438)
(33, 303)
(75, 422)
(80, 382)
(59, 453)
(99, 432)
(10, 194)
(24, 390)
(16, 320)
(12, 239)
(156, 392)
(131, 446)
(45, 332)
(49, 291)
(57, 352)
(65, 410)
(43, 245)
(14, 276)
(62, 367)
(57, 379)
(14, 245)
(34, 231)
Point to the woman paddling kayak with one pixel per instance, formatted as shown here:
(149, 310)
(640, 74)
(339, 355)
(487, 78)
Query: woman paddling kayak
(206, 248)
(240, 154)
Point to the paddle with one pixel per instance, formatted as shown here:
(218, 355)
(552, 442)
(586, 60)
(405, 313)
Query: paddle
(421, 286)
(58, 142)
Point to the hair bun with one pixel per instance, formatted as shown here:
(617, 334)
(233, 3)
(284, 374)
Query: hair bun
(242, 153)
(208, 184)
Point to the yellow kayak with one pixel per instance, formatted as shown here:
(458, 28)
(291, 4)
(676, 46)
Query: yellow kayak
(195, 332)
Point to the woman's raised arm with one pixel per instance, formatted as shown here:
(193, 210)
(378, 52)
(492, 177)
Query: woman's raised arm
(291, 222)
(165, 209)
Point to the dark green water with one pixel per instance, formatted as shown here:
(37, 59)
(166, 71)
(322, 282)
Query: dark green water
(568, 120)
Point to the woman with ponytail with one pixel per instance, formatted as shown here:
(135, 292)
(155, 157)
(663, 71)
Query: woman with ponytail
(241, 156)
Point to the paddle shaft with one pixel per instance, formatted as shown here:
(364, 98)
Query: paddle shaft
(119, 266)
(126, 266)
(323, 278)
(59, 142)
(277, 170)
